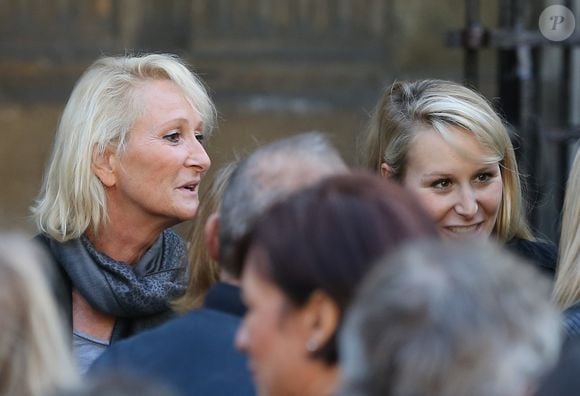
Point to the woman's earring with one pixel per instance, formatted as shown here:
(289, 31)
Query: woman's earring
(312, 345)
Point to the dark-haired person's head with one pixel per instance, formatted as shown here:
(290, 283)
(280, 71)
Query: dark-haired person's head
(301, 264)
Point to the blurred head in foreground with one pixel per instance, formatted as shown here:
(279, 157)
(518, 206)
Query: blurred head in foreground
(34, 355)
(447, 320)
(301, 263)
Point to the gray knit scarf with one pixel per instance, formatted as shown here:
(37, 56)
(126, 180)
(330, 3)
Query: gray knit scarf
(126, 292)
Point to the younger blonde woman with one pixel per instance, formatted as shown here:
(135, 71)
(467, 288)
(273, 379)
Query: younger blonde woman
(445, 143)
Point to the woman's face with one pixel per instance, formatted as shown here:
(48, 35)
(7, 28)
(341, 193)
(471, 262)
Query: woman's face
(460, 190)
(273, 336)
(158, 175)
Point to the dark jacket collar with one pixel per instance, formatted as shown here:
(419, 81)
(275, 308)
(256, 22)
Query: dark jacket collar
(225, 297)
(543, 254)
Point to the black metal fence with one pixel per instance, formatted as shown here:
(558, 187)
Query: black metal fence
(543, 139)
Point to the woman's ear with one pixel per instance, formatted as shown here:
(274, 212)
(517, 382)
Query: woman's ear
(211, 234)
(103, 165)
(322, 319)
(386, 170)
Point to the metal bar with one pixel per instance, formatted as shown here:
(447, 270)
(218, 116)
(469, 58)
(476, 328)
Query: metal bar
(564, 116)
(519, 91)
(516, 92)
(559, 135)
(504, 39)
(471, 58)
(507, 82)
(527, 111)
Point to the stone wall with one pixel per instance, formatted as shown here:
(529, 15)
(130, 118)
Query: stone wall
(273, 66)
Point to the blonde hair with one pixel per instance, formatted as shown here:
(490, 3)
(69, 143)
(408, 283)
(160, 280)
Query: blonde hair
(34, 354)
(203, 270)
(567, 285)
(408, 107)
(100, 112)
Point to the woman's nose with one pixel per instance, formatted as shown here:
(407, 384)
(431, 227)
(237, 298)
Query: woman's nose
(197, 157)
(466, 204)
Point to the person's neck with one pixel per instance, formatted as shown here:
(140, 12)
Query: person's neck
(324, 382)
(228, 278)
(122, 243)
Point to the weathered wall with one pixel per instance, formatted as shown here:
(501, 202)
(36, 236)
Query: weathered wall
(274, 67)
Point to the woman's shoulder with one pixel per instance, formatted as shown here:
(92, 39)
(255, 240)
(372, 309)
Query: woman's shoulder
(542, 253)
(572, 320)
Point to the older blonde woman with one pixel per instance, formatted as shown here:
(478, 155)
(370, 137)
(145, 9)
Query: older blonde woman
(445, 143)
(34, 356)
(126, 166)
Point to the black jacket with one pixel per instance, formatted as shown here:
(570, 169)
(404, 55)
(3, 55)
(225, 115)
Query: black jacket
(543, 254)
(193, 354)
(572, 321)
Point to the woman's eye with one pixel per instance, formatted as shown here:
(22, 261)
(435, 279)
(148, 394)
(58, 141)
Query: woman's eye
(199, 137)
(173, 137)
(483, 177)
(441, 184)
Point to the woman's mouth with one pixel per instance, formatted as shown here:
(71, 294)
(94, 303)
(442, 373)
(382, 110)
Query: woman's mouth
(189, 188)
(462, 231)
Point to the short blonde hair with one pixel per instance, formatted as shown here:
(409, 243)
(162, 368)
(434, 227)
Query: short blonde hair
(408, 107)
(35, 356)
(567, 285)
(100, 112)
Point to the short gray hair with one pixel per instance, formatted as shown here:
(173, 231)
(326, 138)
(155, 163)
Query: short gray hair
(443, 320)
(268, 175)
(100, 112)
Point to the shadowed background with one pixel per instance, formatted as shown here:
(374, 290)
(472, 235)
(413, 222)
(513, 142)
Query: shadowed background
(273, 67)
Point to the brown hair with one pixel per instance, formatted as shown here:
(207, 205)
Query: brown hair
(328, 236)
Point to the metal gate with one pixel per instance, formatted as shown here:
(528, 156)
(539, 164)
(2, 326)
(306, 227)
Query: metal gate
(544, 136)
